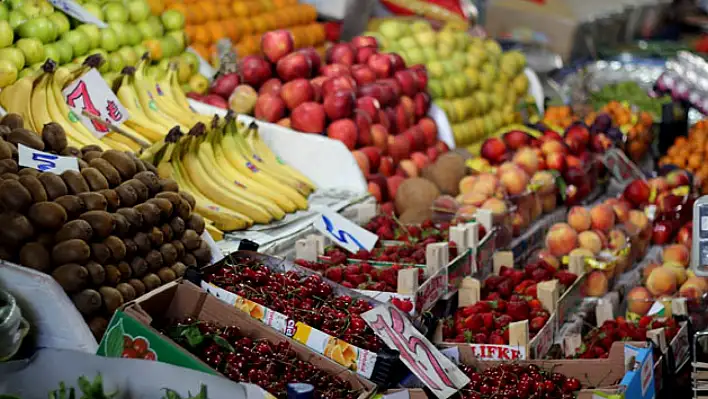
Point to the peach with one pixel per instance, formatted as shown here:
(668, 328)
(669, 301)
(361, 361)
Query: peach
(603, 217)
(678, 270)
(497, 206)
(646, 272)
(561, 239)
(590, 241)
(582, 252)
(546, 256)
(661, 282)
(638, 223)
(375, 191)
(639, 300)
(677, 253)
(527, 159)
(579, 219)
(596, 284)
(603, 238)
(553, 147)
(467, 184)
(474, 198)
(493, 150)
(621, 210)
(466, 212)
(506, 167)
(486, 184)
(694, 288)
(515, 181)
(617, 240)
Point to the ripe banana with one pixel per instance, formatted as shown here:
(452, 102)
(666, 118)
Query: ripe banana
(16, 98)
(146, 95)
(155, 129)
(38, 103)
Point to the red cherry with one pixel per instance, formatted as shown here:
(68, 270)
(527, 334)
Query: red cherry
(150, 355)
(129, 353)
(140, 345)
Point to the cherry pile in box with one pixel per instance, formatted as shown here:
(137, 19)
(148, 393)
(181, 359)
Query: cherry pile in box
(517, 381)
(362, 276)
(257, 361)
(388, 228)
(308, 299)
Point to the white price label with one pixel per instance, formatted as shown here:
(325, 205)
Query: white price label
(435, 370)
(91, 94)
(44, 161)
(343, 232)
(75, 10)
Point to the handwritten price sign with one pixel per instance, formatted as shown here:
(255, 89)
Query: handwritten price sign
(622, 167)
(91, 94)
(44, 161)
(436, 371)
(344, 233)
(75, 10)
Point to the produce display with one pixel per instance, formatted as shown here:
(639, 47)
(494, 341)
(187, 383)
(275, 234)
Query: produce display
(521, 381)
(107, 233)
(471, 79)
(687, 152)
(631, 93)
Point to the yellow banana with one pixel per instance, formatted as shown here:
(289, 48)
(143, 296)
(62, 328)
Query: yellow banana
(146, 96)
(16, 98)
(173, 93)
(119, 142)
(127, 96)
(215, 233)
(168, 106)
(38, 103)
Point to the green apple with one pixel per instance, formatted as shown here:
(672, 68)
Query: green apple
(13, 55)
(109, 40)
(66, 51)
(78, 40)
(393, 29)
(425, 38)
(46, 8)
(430, 54)
(115, 62)
(140, 50)
(32, 49)
(199, 83)
(416, 56)
(146, 30)
(52, 53)
(156, 24)
(8, 73)
(110, 77)
(16, 18)
(449, 88)
(450, 67)
(445, 51)
(93, 35)
(130, 57)
(421, 25)
(180, 38)
(408, 43)
(138, 10)
(435, 89)
(447, 37)
(39, 28)
(7, 36)
(459, 80)
(133, 36)
(95, 10)
(169, 46)
(31, 10)
(492, 47)
(436, 69)
(472, 77)
(115, 12)
(462, 39)
(25, 72)
(482, 101)
(185, 70)
(60, 21)
(105, 66)
(4, 12)
(394, 47)
(172, 20)
(521, 84)
(121, 31)
(457, 64)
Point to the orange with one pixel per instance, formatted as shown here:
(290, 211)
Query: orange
(156, 6)
(231, 28)
(196, 14)
(201, 50)
(216, 31)
(695, 160)
(318, 32)
(202, 35)
(308, 12)
(190, 31)
(239, 9)
(254, 7)
(271, 22)
(154, 47)
(209, 10)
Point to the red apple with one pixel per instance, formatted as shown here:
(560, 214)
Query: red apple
(216, 100)
(363, 54)
(579, 132)
(365, 41)
(442, 147)
(637, 192)
(296, 92)
(384, 121)
(422, 102)
(392, 120)
(285, 122)
(432, 153)
(661, 234)
(516, 139)
(685, 235)
(416, 137)
(255, 70)
(375, 191)
(678, 177)
(421, 160)
(363, 123)
(363, 162)
(395, 88)
(430, 131)
(403, 118)
(338, 83)
(293, 66)
(317, 85)
(225, 85)
(277, 44)
(379, 135)
(370, 105)
(407, 104)
(422, 73)
(339, 105)
(269, 108)
(271, 86)
(575, 146)
(308, 117)
(333, 70)
(393, 182)
(381, 64)
(345, 131)
(556, 161)
(399, 147)
(381, 189)
(493, 150)
(362, 74)
(341, 53)
(551, 135)
(374, 154)
(314, 57)
(386, 166)
(397, 62)
(408, 82)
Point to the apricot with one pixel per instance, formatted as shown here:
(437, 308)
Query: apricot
(546, 256)
(527, 159)
(662, 282)
(591, 241)
(596, 284)
(579, 219)
(474, 198)
(584, 252)
(561, 239)
(617, 239)
(678, 270)
(497, 206)
(646, 272)
(694, 288)
(467, 183)
(639, 301)
(677, 253)
(638, 223)
(515, 181)
(603, 217)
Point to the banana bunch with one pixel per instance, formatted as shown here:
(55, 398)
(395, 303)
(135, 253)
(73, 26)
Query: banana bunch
(235, 178)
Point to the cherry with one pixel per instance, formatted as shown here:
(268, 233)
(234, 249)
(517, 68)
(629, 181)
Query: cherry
(150, 355)
(140, 345)
(129, 353)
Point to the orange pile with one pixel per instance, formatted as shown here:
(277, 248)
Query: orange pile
(559, 116)
(638, 130)
(244, 22)
(691, 153)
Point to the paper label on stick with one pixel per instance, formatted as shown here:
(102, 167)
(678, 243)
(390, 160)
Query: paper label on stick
(343, 232)
(622, 167)
(74, 10)
(90, 93)
(435, 370)
(44, 161)
(680, 347)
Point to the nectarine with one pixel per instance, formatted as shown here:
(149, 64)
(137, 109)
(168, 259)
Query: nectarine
(561, 239)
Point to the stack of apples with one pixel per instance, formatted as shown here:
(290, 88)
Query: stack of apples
(471, 79)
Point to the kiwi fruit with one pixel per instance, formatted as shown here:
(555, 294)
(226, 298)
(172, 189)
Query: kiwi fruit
(7, 253)
(107, 170)
(169, 254)
(121, 162)
(91, 155)
(72, 204)
(112, 299)
(139, 266)
(150, 213)
(189, 260)
(25, 137)
(191, 240)
(127, 194)
(9, 176)
(53, 185)
(71, 251)
(126, 271)
(150, 180)
(166, 232)
(75, 182)
(139, 167)
(150, 167)
(34, 187)
(154, 260)
(36, 256)
(47, 239)
(98, 326)
(94, 201)
(156, 237)
(179, 268)
(142, 240)
(151, 282)
(8, 166)
(141, 189)
(71, 277)
(112, 199)
(167, 275)
(100, 252)
(16, 228)
(12, 121)
(195, 222)
(28, 172)
(116, 246)
(122, 226)
(4, 131)
(76, 229)
(82, 164)
(416, 215)
(126, 291)
(95, 179)
(14, 196)
(164, 205)
(138, 286)
(202, 254)
(134, 218)
(87, 301)
(5, 151)
(415, 192)
(96, 272)
(181, 206)
(189, 198)
(101, 222)
(90, 148)
(178, 226)
(179, 247)
(113, 275)
(47, 215)
(54, 137)
(71, 152)
(169, 185)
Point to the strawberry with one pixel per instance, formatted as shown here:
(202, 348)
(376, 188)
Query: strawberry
(378, 286)
(353, 268)
(644, 321)
(488, 320)
(496, 339)
(480, 338)
(414, 231)
(468, 336)
(448, 324)
(539, 275)
(482, 307)
(505, 288)
(518, 310)
(531, 291)
(517, 276)
(505, 271)
(502, 321)
(347, 284)
(598, 352)
(565, 278)
(537, 324)
(366, 267)
(474, 322)
(334, 273)
(535, 304)
(407, 305)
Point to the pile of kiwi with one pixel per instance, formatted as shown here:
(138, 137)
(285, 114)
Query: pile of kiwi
(107, 234)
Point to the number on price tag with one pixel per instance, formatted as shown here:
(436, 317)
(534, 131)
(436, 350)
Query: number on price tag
(436, 371)
(75, 10)
(44, 161)
(622, 167)
(91, 94)
(344, 233)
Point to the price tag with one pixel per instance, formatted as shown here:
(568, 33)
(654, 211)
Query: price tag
(76, 11)
(343, 232)
(90, 93)
(44, 161)
(498, 352)
(435, 370)
(622, 167)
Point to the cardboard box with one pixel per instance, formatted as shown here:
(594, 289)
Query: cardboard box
(179, 300)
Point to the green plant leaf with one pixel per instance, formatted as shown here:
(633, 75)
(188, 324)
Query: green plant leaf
(193, 335)
(223, 343)
(114, 340)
